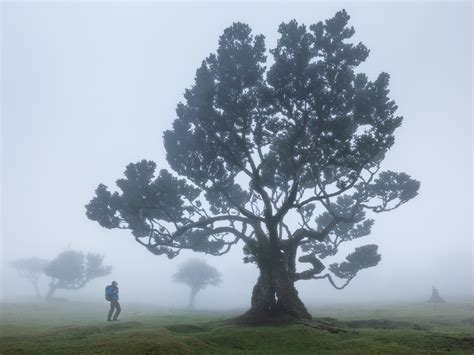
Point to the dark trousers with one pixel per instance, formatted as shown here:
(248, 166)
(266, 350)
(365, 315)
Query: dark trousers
(114, 306)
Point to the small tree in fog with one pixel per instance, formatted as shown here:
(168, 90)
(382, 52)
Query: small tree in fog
(197, 274)
(72, 270)
(435, 297)
(31, 269)
(283, 158)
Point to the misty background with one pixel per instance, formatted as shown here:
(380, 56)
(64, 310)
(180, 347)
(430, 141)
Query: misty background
(89, 87)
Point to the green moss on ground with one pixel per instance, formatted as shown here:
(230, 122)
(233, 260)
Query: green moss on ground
(79, 329)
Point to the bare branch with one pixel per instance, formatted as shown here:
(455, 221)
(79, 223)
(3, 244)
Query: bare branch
(331, 281)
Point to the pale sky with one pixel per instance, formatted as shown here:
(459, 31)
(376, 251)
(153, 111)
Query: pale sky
(89, 87)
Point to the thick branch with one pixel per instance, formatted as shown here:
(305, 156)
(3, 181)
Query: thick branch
(302, 233)
(287, 204)
(326, 195)
(331, 281)
(317, 268)
(241, 209)
(204, 222)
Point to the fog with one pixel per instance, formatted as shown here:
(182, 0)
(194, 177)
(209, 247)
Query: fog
(89, 87)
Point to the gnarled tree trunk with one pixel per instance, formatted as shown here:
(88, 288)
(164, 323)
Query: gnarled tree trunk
(274, 296)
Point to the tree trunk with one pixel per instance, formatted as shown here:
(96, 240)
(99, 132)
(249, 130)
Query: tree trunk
(37, 291)
(51, 291)
(192, 296)
(263, 295)
(275, 296)
(288, 301)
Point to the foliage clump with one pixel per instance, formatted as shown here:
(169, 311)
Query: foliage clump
(72, 270)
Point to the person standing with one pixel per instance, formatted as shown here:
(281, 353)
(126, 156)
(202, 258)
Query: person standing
(112, 295)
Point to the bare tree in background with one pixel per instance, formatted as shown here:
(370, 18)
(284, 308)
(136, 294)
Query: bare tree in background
(31, 269)
(197, 274)
(72, 270)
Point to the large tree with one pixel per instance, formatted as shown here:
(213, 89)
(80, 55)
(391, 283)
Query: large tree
(31, 269)
(285, 160)
(72, 270)
(197, 274)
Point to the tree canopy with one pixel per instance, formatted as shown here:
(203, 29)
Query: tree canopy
(197, 274)
(284, 157)
(72, 270)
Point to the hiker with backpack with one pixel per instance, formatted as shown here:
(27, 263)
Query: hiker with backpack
(112, 295)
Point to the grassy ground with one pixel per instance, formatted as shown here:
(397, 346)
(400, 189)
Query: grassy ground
(74, 328)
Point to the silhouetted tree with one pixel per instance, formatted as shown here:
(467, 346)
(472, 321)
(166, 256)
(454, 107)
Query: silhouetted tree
(197, 274)
(31, 269)
(435, 297)
(260, 149)
(72, 270)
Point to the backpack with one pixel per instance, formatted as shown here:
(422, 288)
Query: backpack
(108, 292)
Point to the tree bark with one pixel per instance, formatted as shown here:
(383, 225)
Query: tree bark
(274, 295)
(263, 296)
(288, 301)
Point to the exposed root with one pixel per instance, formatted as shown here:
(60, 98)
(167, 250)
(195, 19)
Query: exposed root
(324, 326)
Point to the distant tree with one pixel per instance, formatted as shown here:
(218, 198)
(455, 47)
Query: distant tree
(197, 274)
(435, 297)
(31, 269)
(259, 149)
(72, 270)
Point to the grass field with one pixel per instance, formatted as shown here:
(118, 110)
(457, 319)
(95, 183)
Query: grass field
(79, 328)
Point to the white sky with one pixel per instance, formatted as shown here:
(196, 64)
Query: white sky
(90, 87)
